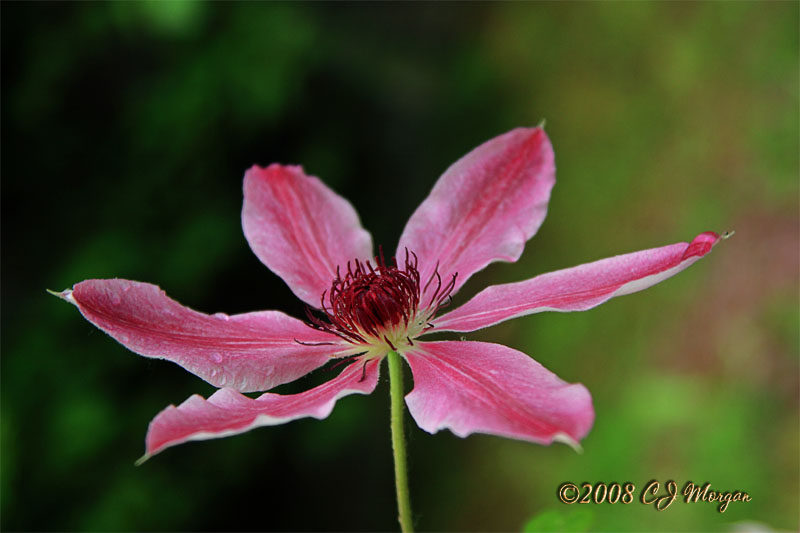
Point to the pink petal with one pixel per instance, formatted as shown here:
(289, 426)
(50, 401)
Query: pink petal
(477, 387)
(484, 207)
(248, 352)
(578, 288)
(300, 228)
(226, 412)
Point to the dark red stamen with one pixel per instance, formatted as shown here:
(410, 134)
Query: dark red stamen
(343, 360)
(314, 343)
(371, 299)
(392, 346)
(364, 371)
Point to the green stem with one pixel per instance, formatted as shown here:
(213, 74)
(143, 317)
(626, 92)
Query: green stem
(399, 442)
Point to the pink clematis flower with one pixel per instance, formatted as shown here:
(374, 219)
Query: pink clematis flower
(483, 209)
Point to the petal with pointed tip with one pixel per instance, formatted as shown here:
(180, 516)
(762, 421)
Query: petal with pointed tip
(477, 387)
(484, 207)
(227, 412)
(578, 288)
(248, 352)
(300, 228)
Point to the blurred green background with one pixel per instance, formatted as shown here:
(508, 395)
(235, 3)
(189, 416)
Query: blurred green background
(127, 127)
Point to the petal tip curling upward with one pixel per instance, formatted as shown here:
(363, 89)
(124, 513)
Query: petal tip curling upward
(702, 244)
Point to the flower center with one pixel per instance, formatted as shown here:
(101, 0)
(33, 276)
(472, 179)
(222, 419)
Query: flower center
(380, 305)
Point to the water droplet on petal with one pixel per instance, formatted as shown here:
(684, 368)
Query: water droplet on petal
(115, 299)
(221, 316)
(216, 357)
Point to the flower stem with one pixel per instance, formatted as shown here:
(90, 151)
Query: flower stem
(399, 442)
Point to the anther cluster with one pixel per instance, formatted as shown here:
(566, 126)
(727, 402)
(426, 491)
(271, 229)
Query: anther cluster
(380, 302)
